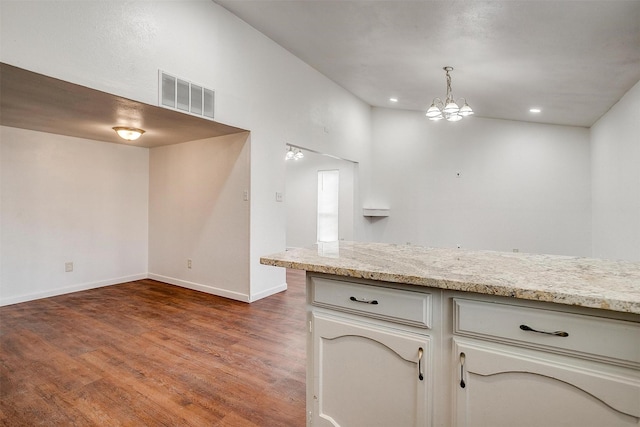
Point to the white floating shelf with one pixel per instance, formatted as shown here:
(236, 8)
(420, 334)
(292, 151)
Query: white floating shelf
(375, 212)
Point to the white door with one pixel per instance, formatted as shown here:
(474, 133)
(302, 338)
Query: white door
(366, 375)
(328, 200)
(504, 386)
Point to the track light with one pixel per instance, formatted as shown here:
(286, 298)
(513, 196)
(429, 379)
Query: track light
(293, 153)
(289, 154)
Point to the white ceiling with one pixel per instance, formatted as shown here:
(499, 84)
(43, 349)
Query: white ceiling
(573, 59)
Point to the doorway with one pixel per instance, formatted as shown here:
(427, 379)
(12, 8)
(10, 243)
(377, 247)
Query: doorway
(302, 199)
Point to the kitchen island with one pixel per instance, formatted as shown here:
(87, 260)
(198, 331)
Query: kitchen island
(406, 335)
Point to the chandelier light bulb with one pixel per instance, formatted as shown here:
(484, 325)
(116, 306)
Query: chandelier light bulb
(433, 111)
(465, 110)
(451, 108)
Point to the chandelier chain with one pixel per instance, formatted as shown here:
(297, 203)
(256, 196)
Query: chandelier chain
(449, 97)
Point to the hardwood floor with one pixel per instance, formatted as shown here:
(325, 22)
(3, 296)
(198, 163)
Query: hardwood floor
(150, 354)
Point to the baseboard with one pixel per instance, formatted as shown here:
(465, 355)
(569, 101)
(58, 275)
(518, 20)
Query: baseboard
(71, 289)
(268, 292)
(171, 280)
(200, 287)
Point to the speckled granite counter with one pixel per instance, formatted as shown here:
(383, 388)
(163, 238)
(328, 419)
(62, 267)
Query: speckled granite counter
(586, 282)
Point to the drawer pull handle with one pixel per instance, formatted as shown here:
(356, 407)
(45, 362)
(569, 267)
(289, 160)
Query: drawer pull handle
(420, 352)
(364, 301)
(556, 333)
(462, 359)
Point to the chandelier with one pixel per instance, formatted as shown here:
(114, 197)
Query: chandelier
(449, 109)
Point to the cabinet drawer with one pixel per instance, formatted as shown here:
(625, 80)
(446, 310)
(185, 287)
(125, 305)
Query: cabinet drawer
(412, 308)
(589, 335)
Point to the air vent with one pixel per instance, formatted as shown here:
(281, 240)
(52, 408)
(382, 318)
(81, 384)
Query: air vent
(182, 95)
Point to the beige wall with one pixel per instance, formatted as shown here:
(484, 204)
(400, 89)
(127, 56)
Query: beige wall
(67, 199)
(197, 211)
(615, 147)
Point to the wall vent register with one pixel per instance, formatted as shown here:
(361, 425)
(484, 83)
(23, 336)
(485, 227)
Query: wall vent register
(183, 95)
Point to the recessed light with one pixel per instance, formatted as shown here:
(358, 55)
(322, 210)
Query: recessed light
(393, 99)
(534, 110)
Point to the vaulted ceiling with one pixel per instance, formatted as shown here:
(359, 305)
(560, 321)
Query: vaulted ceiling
(572, 59)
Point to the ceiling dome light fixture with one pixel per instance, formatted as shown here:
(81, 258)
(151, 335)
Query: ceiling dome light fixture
(449, 109)
(129, 134)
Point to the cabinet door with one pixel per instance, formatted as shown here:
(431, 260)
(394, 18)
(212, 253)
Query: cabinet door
(498, 385)
(366, 375)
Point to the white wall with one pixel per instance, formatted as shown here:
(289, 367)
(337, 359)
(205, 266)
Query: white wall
(301, 198)
(118, 47)
(64, 200)
(615, 146)
(197, 212)
(522, 185)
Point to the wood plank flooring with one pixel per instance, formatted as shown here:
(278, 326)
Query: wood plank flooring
(150, 354)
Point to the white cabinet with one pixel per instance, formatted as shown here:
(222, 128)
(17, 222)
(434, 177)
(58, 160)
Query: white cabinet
(369, 356)
(368, 375)
(394, 355)
(523, 366)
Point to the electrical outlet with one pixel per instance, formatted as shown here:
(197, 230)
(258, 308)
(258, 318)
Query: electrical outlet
(68, 267)
(245, 195)
(458, 246)
(516, 250)
(279, 196)
(188, 263)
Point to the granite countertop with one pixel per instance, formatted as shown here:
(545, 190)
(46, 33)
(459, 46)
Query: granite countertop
(586, 282)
